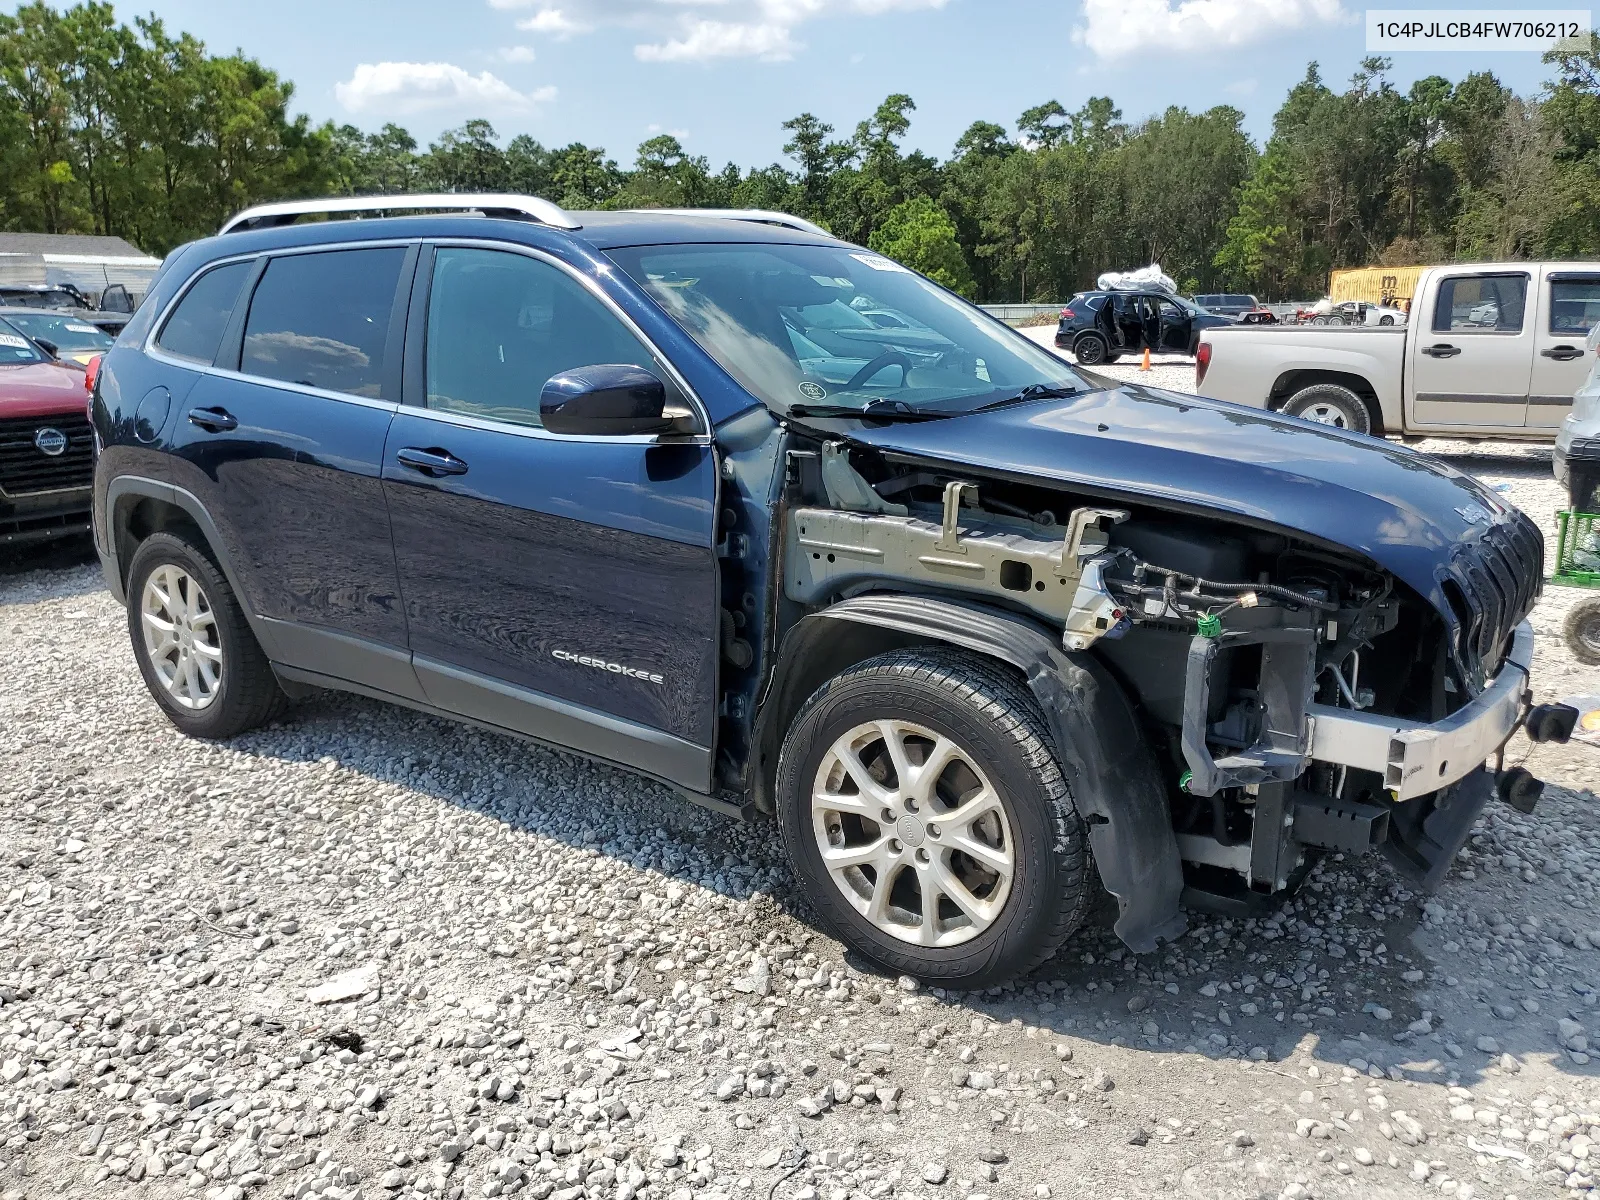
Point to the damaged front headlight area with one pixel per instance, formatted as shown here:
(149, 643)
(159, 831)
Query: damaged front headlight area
(1298, 699)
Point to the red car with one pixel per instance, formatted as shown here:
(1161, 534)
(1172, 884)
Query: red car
(46, 446)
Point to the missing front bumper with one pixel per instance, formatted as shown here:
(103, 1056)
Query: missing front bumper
(1416, 759)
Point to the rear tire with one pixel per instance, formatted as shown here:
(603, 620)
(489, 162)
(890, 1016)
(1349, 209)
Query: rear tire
(1582, 631)
(911, 898)
(1090, 350)
(196, 651)
(1330, 404)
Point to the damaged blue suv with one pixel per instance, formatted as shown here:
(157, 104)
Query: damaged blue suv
(777, 522)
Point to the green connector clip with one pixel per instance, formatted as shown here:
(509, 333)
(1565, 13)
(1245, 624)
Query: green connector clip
(1210, 626)
(1184, 780)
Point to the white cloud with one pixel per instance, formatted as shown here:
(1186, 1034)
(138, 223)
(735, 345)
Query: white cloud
(516, 54)
(1118, 28)
(702, 41)
(704, 30)
(552, 22)
(399, 88)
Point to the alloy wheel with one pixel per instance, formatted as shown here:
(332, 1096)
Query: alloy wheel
(912, 833)
(181, 636)
(1326, 414)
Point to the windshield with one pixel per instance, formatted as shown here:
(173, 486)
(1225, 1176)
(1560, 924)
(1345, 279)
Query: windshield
(68, 333)
(799, 325)
(14, 348)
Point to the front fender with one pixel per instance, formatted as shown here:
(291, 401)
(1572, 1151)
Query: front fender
(1108, 763)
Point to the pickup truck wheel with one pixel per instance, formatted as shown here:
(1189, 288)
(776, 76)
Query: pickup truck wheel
(1582, 631)
(1330, 404)
(928, 821)
(1091, 350)
(194, 647)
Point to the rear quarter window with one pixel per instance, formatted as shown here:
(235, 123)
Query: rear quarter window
(195, 328)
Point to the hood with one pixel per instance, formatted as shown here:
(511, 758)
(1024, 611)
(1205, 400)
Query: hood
(43, 389)
(1403, 511)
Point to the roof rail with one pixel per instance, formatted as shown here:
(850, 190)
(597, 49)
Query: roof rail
(760, 216)
(529, 208)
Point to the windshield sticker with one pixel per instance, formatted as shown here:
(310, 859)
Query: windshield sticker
(11, 339)
(813, 391)
(878, 263)
(76, 328)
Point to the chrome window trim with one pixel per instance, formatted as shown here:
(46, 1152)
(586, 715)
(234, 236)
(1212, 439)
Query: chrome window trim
(154, 351)
(701, 438)
(540, 434)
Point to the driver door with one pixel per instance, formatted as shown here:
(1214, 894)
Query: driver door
(561, 587)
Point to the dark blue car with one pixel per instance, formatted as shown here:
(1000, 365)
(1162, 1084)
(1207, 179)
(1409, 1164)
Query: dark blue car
(773, 520)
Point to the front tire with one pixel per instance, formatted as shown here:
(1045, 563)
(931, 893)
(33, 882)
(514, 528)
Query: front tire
(928, 821)
(1330, 404)
(194, 647)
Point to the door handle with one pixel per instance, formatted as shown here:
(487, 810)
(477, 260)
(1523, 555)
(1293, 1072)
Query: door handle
(433, 463)
(1562, 353)
(1442, 350)
(213, 420)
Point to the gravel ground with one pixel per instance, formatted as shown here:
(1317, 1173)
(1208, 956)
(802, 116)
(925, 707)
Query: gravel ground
(368, 953)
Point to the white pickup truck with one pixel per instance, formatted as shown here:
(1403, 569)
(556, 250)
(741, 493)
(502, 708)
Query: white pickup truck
(1488, 350)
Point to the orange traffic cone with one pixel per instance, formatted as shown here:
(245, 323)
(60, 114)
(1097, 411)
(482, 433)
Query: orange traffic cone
(1145, 365)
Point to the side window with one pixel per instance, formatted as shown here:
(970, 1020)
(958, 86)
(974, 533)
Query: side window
(1481, 303)
(1574, 306)
(500, 325)
(321, 320)
(195, 328)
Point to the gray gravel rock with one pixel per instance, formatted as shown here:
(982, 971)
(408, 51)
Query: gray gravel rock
(574, 987)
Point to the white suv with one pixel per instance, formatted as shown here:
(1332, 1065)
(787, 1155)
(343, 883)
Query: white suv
(1577, 457)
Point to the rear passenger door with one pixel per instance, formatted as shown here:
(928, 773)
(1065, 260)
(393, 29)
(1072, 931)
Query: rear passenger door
(562, 587)
(285, 435)
(1569, 306)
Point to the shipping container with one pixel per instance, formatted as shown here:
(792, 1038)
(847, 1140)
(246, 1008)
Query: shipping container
(1375, 285)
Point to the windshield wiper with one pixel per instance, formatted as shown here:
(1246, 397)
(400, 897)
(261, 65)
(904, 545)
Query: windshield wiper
(1034, 391)
(873, 410)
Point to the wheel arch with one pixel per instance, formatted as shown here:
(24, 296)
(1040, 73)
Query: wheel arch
(137, 507)
(1111, 769)
(1290, 382)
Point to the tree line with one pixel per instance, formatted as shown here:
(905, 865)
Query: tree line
(136, 131)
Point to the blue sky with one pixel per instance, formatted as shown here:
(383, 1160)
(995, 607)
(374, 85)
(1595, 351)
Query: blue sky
(724, 74)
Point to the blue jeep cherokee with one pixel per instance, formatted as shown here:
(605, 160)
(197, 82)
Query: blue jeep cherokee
(773, 520)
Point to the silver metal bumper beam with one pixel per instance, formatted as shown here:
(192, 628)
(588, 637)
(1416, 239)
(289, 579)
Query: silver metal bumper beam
(1414, 758)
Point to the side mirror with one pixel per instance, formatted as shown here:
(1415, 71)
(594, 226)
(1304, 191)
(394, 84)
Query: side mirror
(607, 400)
(49, 347)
